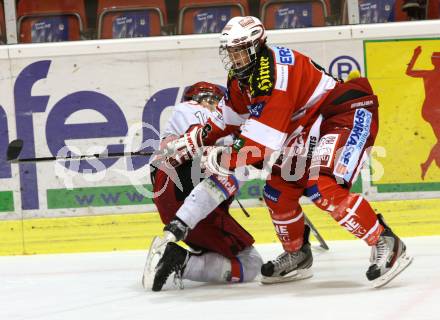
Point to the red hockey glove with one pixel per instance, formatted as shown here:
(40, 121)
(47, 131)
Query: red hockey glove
(185, 148)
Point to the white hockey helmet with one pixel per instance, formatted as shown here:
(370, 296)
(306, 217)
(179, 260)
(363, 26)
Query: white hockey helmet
(240, 41)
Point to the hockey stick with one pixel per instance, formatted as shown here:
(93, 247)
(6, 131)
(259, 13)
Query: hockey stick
(242, 208)
(16, 146)
(316, 234)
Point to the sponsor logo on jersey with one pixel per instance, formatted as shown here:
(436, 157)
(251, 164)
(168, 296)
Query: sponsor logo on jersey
(362, 104)
(296, 147)
(190, 144)
(354, 227)
(262, 80)
(227, 184)
(340, 169)
(271, 193)
(282, 232)
(282, 77)
(238, 144)
(256, 109)
(283, 55)
(323, 154)
(351, 223)
(312, 145)
(313, 193)
(356, 141)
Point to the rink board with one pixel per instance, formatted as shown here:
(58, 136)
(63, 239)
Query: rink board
(89, 95)
(134, 231)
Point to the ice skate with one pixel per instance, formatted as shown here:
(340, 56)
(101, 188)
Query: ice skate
(174, 259)
(388, 257)
(290, 266)
(155, 253)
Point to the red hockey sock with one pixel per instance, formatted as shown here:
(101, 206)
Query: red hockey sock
(289, 227)
(350, 210)
(355, 214)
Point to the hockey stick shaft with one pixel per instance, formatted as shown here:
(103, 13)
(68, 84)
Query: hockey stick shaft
(246, 213)
(84, 157)
(316, 234)
(16, 146)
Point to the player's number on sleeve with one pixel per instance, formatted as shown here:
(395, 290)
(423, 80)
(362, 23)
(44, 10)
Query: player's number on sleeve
(201, 117)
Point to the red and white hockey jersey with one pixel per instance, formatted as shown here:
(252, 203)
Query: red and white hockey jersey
(284, 92)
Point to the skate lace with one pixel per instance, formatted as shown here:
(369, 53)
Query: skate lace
(285, 260)
(382, 252)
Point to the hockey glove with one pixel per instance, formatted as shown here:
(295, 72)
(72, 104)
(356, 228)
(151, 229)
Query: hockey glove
(185, 148)
(217, 160)
(177, 228)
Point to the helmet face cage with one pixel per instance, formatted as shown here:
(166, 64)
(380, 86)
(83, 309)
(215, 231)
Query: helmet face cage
(208, 97)
(240, 42)
(204, 92)
(239, 59)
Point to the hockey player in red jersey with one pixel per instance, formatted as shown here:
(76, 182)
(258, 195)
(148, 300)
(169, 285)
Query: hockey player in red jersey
(322, 129)
(196, 210)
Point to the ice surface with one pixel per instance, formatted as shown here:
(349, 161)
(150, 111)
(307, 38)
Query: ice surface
(107, 286)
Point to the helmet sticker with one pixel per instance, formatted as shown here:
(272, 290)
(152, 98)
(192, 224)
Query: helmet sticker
(246, 21)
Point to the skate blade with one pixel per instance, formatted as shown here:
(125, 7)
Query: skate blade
(155, 253)
(401, 264)
(295, 275)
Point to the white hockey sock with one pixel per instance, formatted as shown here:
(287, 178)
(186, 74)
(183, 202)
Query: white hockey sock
(213, 267)
(208, 267)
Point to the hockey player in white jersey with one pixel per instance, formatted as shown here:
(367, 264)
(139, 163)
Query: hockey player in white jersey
(196, 210)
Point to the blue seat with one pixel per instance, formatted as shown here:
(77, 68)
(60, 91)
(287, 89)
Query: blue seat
(50, 20)
(288, 14)
(201, 16)
(130, 18)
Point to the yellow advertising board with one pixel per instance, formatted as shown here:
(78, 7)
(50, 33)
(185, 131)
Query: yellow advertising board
(405, 74)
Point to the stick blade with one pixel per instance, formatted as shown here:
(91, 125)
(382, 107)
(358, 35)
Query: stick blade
(14, 149)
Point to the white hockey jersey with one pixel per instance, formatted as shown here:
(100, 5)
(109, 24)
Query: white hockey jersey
(185, 115)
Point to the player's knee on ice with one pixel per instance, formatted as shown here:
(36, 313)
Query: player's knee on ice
(251, 261)
(213, 267)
